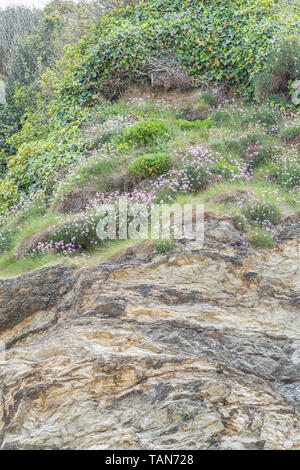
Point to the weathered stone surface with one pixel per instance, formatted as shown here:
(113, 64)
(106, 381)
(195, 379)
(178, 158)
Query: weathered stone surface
(198, 348)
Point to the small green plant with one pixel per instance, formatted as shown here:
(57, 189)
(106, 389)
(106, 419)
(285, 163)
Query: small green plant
(262, 213)
(263, 155)
(225, 169)
(240, 223)
(290, 133)
(261, 239)
(266, 115)
(148, 165)
(221, 118)
(145, 132)
(288, 175)
(228, 145)
(208, 98)
(263, 84)
(162, 246)
(280, 68)
(277, 100)
(201, 126)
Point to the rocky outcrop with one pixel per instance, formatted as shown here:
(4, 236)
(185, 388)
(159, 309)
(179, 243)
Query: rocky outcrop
(198, 348)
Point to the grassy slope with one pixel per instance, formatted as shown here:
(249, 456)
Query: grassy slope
(105, 167)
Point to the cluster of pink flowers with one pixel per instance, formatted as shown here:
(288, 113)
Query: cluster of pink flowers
(9, 224)
(195, 168)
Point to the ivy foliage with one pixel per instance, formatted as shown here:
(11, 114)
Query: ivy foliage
(217, 41)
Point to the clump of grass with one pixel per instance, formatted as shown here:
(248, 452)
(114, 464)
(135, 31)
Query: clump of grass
(11, 267)
(261, 213)
(287, 174)
(200, 125)
(94, 172)
(208, 98)
(265, 115)
(162, 246)
(277, 100)
(108, 111)
(221, 117)
(290, 133)
(240, 223)
(227, 145)
(261, 239)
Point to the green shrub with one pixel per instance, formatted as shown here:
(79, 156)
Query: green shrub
(144, 132)
(290, 133)
(152, 164)
(201, 126)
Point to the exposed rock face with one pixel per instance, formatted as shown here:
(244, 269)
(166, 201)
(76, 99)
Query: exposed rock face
(197, 348)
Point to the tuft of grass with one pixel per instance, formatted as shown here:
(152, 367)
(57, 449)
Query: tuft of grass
(264, 115)
(290, 133)
(261, 239)
(208, 98)
(93, 172)
(261, 213)
(200, 125)
(12, 267)
(162, 246)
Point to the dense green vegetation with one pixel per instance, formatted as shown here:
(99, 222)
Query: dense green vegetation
(69, 140)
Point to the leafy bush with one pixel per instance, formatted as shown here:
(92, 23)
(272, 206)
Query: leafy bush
(150, 165)
(37, 162)
(223, 41)
(290, 133)
(144, 132)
